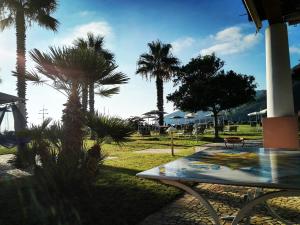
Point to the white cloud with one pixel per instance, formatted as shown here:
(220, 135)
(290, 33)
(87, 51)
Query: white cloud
(98, 28)
(295, 50)
(229, 34)
(182, 43)
(7, 46)
(231, 40)
(85, 13)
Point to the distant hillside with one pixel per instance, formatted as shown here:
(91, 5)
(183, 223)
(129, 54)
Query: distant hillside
(240, 113)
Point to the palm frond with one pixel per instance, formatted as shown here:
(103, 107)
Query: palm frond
(158, 62)
(7, 22)
(113, 79)
(107, 92)
(11, 5)
(115, 128)
(47, 21)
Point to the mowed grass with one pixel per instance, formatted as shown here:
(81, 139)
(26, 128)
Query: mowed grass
(118, 196)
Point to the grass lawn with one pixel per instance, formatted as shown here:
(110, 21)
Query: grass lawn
(118, 197)
(4, 150)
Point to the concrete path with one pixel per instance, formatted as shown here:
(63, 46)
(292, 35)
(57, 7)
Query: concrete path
(157, 151)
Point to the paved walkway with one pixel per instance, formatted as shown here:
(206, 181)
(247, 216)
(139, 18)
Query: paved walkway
(226, 200)
(157, 151)
(7, 170)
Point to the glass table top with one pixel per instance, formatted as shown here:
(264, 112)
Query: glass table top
(257, 167)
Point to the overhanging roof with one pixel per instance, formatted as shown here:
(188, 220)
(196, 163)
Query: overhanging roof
(6, 98)
(274, 11)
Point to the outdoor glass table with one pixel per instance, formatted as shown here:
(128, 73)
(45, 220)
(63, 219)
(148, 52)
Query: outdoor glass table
(250, 167)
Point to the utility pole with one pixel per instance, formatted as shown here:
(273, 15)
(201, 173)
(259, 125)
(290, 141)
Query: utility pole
(43, 112)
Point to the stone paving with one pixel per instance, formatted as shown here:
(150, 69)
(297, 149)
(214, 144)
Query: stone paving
(7, 171)
(226, 200)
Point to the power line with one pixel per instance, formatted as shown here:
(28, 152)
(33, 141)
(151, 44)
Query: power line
(43, 112)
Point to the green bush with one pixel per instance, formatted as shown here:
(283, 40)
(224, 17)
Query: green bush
(114, 128)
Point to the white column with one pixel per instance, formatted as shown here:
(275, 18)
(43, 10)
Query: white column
(278, 72)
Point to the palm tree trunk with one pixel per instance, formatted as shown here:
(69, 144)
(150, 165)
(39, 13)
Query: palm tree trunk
(91, 98)
(21, 62)
(160, 102)
(73, 122)
(84, 97)
(92, 105)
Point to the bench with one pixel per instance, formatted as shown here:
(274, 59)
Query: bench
(233, 141)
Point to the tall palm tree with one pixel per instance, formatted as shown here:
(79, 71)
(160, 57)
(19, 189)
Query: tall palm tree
(22, 14)
(67, 67)
(158, 63)
(108, 77)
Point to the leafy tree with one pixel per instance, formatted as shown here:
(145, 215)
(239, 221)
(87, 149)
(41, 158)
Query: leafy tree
(160, 64)
(108, 78)
(22, 14)
(204, 86)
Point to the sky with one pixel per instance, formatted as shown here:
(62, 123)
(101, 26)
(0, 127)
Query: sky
(193, 27)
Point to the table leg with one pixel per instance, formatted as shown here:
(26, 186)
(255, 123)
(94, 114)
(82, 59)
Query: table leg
(194, 193)
(246, 210)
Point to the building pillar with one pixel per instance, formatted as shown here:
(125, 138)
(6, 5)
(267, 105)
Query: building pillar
(281, 124)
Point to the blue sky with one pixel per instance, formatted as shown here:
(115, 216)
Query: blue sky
(193, 27)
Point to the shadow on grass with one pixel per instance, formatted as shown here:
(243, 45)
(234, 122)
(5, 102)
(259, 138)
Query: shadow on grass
(169, 145)
(117, 198)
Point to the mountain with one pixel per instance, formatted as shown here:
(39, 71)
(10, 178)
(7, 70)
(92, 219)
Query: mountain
(240, 113)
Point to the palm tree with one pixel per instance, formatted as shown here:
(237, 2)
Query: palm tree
(158, 63)
(67, 67)
(21, 14)
(108, 77)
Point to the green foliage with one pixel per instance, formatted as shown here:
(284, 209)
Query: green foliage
(108, 77)
(33, 11)
(65, 66)
(204, 86)
(105, 126)
(160, 64)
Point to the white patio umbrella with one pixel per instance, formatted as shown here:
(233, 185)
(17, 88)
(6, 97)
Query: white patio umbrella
(189, 116)
(149, 117)
(176, 118)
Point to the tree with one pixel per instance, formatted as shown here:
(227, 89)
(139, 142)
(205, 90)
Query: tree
(204, 86)
(67, 67)
(108, 78)
(160, 64)
(23, 14)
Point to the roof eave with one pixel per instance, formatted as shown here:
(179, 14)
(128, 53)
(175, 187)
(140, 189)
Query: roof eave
(252, 11)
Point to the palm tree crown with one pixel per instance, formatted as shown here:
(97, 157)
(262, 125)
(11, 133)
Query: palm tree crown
(158, 63)
(32, 10)
(67, 67)
(22, 14)
(108, 77)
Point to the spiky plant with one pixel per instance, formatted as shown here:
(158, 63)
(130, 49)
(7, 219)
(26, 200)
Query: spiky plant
(66, 68)
(114, 128)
